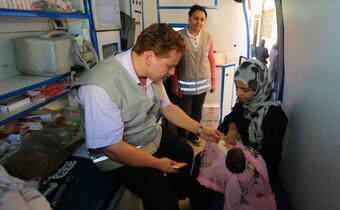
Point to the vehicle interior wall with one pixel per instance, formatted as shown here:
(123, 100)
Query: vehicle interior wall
(309, 168)
(230, 37)
(124, 6)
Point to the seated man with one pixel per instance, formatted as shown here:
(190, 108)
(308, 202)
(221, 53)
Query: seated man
(239, 173)
(121, 100)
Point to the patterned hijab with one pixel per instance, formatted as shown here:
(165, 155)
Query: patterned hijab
(254, 73)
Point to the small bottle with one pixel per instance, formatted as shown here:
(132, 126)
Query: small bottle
(85, 31)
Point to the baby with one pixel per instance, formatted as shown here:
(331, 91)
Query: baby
(239, 173)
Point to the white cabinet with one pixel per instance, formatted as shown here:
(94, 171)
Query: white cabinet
(106, 14)
(137, 14)
(108, 43)
(107, 25)
(224, 96)
(229, 92)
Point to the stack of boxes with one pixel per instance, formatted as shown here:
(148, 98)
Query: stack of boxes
(211, 115)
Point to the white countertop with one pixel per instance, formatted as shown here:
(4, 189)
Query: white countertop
(225, 64)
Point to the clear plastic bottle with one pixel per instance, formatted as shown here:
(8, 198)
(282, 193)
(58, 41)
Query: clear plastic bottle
(85, 31)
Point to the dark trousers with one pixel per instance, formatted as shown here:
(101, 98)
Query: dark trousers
(192, 105)
(200, 196)
(159, 191)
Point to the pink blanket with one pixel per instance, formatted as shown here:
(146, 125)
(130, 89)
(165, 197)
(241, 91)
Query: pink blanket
(249, 190)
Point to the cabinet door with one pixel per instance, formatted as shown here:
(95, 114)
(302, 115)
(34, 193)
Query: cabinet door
(229, 92)
(108, 43)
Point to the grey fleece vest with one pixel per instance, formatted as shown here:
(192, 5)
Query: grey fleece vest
(194, 74)
(139, 113)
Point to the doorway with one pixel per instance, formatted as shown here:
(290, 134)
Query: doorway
(265, 24)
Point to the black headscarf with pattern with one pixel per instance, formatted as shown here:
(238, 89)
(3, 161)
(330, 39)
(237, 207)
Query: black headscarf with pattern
(254, 74)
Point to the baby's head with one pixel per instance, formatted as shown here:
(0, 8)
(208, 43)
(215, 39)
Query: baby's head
(235, 160)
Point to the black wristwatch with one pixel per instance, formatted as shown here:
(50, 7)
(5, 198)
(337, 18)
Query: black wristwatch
(199, 130)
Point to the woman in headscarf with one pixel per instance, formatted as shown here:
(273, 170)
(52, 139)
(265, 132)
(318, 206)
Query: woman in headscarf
(257, 119)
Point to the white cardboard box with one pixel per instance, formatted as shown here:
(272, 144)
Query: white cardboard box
(211, 123)
(14, 103)
(211, 112)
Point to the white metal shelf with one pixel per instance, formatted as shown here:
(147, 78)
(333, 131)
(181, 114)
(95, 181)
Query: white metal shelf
(6, 117)
(20, 84)
(34, 13)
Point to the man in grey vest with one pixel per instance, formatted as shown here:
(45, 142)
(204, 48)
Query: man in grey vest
(121, 100)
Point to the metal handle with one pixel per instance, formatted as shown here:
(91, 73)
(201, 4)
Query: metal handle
(58, 195)
(241, 59)
(51, 186)
(60, 192)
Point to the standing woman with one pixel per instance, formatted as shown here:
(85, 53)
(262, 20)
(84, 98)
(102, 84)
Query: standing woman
(196, 73)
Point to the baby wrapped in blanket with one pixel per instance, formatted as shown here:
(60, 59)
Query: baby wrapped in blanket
(239, 173)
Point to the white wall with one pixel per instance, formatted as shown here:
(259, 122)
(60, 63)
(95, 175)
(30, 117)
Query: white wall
(150, 9)
(125, 6)
(226, 23)
(310, 168)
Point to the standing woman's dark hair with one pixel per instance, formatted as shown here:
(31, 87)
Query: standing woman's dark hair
(196, 7)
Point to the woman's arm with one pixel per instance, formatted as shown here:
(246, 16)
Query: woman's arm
(229, 126)
(175, 84)
(211, 58)
(274, 128)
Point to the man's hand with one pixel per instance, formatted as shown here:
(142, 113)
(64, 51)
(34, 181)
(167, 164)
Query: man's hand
(210, 134)
(131, 156)
(166, 165)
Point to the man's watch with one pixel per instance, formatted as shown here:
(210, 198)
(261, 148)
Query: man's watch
(199, 130)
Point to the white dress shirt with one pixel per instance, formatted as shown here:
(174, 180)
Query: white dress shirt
(194, 39)
(103, 121)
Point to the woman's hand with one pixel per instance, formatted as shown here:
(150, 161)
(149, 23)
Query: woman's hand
(232, 134)
(212, 89)
(211, 134)
(177, 92)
